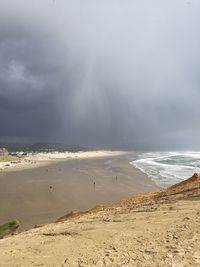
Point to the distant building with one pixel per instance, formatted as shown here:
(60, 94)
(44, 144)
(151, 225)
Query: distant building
(3, 152)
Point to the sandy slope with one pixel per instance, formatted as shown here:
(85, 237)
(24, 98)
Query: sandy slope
(155, 229)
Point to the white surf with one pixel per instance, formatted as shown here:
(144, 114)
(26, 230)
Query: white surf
(167, 168)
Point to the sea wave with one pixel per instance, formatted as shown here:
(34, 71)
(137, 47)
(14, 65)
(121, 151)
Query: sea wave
(167, 168)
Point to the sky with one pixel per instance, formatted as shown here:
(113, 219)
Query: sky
(109, 73)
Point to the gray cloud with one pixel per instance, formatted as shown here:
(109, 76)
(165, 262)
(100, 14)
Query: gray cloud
(101, 73)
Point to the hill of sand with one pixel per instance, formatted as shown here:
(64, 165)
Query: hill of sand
(154, 229)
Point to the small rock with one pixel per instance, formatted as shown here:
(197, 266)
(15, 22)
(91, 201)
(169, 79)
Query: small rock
(100, 263)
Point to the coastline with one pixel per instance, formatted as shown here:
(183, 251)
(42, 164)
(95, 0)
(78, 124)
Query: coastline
(26, 195)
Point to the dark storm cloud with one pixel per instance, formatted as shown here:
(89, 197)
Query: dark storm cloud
(117, 73)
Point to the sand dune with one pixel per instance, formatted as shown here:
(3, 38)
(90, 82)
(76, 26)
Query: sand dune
(155, 229)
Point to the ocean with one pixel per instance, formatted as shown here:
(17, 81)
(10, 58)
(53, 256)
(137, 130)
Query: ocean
(168, 168)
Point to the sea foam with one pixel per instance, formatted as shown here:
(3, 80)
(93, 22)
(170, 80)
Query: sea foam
(167, 168)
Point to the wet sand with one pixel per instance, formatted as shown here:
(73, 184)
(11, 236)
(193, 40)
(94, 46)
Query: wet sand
(41, 195)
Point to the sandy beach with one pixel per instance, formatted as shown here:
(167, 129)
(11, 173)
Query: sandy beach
(36, 160)
(41, 195)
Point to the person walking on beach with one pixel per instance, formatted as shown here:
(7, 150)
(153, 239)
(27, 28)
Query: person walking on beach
(94, 185)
